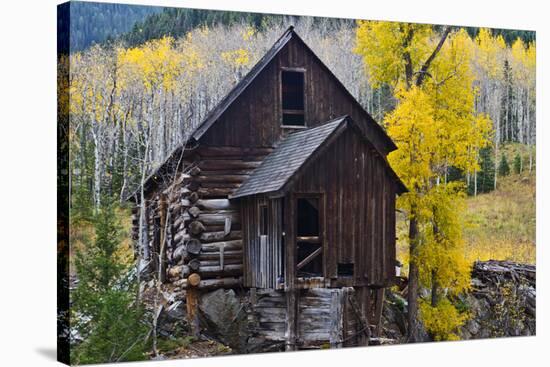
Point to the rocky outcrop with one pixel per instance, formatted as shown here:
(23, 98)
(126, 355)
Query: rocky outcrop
(501, 303)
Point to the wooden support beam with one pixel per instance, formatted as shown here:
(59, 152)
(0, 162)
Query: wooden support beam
(192, 301)
(220, 236)
(227, 245)
(292, 319)
(211, 283)
(215, 271)
(227, 255)
(337, 318)
(378, 310)
(364, 336)
(309, 258)
(308, 239)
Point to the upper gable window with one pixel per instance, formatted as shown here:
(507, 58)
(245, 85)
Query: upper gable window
(293, 98)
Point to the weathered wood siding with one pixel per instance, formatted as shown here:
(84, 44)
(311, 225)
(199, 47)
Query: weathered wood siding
(324, 317)
(359, 209)
(254, 119)
(262, 264)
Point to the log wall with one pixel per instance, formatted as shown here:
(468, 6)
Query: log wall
(263, 263)
(203, 228)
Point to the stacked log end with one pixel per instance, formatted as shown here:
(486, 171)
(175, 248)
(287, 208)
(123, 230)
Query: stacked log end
(207, 234)
(203, 234)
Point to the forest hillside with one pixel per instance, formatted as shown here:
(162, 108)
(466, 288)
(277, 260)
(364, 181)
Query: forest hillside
(95, 23)
(131, 106)
(498, 225)
(458, 103)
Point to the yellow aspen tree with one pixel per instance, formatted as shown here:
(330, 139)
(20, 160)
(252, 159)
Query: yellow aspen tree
(523, 64)
(489, 59)
(435, 127)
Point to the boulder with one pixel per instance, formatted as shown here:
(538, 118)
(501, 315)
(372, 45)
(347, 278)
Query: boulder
(222, 316)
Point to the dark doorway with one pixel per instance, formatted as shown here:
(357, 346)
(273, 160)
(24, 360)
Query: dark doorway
(293, 98)
(308, 238)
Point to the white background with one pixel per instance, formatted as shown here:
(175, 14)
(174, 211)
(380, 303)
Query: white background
(28, 182)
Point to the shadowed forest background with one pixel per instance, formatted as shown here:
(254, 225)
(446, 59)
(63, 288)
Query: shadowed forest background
(141, 78)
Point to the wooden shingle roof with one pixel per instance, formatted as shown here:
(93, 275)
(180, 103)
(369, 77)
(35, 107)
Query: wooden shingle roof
(279, 166)
(293, 153)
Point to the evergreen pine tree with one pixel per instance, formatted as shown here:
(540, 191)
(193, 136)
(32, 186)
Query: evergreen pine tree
(517, 164)
(454, 174)
(105, 310)
(506, 102)
(486, 174)
(503, 167)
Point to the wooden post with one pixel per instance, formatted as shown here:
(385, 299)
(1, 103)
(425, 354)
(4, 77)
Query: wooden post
(378, 307)
(337, 318)
(292, 319)
(253, 298)
(192, 301)
(362, 312)
(290, 274)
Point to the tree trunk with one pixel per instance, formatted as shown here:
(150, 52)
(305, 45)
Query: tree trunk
(435, 298)
(143, 238)
(475, 182)
(412, 296)
(97, 170)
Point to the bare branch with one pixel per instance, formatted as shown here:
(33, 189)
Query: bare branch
(423, 70)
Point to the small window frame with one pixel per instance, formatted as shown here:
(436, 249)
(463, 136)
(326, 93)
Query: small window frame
(263, 219)
(319, 239)
(282, 70)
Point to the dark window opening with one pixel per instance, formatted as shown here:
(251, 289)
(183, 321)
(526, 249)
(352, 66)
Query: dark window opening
(345, 270)
(308, 217)
(263, 220)
(308, 240)
(293, 120)
(293, 98)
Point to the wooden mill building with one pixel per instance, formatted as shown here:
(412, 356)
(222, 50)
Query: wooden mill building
(285, 194)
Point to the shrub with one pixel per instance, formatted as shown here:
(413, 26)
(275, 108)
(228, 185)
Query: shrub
(443, 320)
(105, 308)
